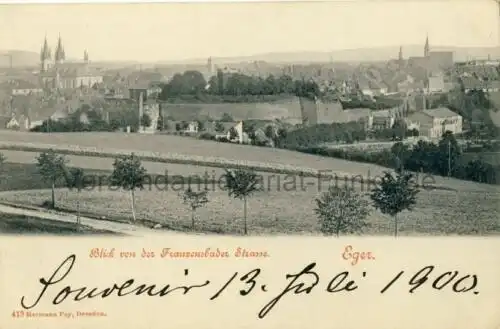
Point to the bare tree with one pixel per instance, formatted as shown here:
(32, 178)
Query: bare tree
(194, 200)
(75, 179)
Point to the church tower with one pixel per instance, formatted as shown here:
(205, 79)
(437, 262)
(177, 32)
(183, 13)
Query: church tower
(426, 47)
(60, 55)
(86, 56)
(45, 56)
(401, 61)
(210, 67)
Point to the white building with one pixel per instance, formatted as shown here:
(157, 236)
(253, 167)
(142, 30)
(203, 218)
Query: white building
(433, 123)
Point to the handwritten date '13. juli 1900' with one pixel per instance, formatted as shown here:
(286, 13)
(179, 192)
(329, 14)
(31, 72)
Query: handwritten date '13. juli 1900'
(250, 283)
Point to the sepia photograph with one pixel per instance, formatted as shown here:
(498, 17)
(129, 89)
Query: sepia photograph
(341, 118)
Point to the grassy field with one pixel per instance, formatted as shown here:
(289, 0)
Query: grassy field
(97, 165)
(15, 224)
(281, 212)
(189, 147)
(279, 209)
(469, 208)
(25, 176)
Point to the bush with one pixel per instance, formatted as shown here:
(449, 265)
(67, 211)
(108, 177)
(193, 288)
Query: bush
(207, 136)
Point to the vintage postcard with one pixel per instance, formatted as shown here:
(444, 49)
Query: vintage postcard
(250, 165)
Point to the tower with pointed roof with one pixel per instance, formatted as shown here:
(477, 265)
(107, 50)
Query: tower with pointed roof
(400, 57)
(45, 56)
(63, 75)
(426, 47)
(59, 55)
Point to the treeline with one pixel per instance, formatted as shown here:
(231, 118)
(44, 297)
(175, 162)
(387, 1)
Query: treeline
(85, 120)
(234, 87)
(444, 158)
(325, 133)
(75, 123)
(378, 103)
(349, 132)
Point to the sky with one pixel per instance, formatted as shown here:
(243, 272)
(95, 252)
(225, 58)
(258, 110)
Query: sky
(176, 31)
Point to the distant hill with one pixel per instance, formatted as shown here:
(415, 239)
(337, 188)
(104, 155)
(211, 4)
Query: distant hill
(20, 58)
(352, 55)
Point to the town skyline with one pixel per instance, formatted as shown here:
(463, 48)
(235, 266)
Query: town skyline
(198, 34)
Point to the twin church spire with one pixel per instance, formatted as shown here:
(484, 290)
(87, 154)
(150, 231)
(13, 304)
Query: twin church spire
(45, 52)
(59, 54)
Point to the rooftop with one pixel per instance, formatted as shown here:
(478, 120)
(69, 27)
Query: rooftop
(441, 112)
(18, 84)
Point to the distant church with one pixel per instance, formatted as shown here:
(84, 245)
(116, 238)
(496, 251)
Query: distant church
(62, 75)
(432, 61)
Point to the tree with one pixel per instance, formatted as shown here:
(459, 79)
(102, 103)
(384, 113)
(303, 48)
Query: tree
(449, 153)
(269, 132)
(286, 84)
(51, 167)
(341, 210)
(3, 159)
(226, 117)
(399, 129)
(201, 125)
(194, 200)
(233, 134)
(241, 184)
(220, 82)
(219, 127)
(188, 83)
(281, 137)
(128, 173)
(395, 194)
(401, 153)
(145, 120)
(249, 129)
(160, 123)
(75, 178)
(178, 126)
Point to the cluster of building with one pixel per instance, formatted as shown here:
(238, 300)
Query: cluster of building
(431, 123)
(60, 87)
(408, 81)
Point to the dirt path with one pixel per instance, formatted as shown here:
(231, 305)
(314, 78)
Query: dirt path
(121, 228)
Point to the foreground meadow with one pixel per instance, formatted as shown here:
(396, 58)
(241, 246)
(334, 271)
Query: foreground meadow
(438, 212)
(196, 156)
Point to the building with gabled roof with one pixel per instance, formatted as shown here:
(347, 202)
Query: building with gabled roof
(434, 123)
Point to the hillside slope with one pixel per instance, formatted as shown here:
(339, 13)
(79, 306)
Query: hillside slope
(186, 147)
